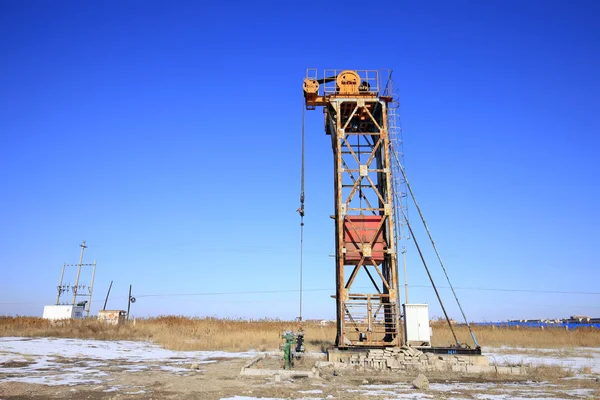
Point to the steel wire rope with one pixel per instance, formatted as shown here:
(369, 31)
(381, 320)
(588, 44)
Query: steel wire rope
(397, 200)
(434, 248)
(301, 210)
(512, 290)
(430, 277)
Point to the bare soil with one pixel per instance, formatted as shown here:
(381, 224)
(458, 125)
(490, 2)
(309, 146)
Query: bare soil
(221, 379)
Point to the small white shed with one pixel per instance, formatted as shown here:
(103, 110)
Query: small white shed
(55, 313)
(417, 329)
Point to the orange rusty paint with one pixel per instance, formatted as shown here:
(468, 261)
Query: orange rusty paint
(361, 230)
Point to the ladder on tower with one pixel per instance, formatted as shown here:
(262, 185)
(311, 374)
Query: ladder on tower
(399, 191)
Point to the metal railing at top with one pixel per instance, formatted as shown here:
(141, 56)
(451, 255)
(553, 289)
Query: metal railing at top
(376, 80)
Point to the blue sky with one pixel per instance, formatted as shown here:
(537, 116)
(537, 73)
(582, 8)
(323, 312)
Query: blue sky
(167, 135)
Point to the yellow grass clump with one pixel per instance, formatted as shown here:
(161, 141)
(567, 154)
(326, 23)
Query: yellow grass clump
(518, 336)
(185, 333)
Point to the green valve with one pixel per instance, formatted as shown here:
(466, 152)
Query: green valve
(293, 346)
(290, 339)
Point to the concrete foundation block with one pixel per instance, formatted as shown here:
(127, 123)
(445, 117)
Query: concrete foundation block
(504, 370)
(479, 369)
(459, 368)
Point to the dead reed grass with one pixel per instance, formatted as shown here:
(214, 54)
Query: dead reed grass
(519, 337)
(184, 333)
(176, 332)
(541, 373)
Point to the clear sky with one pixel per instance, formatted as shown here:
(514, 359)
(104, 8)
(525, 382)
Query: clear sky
(167, 135)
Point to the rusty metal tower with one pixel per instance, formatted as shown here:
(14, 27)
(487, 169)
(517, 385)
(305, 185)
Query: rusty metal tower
(356, 118)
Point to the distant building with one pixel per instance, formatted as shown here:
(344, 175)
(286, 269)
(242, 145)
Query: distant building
(112, 317)
(582, 319)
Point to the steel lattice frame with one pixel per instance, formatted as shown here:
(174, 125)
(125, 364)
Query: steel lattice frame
(363, 186)
(356, 119)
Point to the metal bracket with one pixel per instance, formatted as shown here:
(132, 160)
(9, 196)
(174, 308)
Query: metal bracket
(366, 250)
(364, 170)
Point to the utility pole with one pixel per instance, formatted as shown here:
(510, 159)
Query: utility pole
(107, 294)
(61, 289)
(405, 275)
(76, 287)
(91, 288)
(129, 302)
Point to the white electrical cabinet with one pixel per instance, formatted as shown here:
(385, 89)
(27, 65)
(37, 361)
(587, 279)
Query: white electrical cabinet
(416, 324)
(63, 312)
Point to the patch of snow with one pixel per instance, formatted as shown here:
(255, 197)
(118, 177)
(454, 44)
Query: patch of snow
(135, 368)
(76, 356)
(96, 364)
(506, 397)
(383, 390)
(174, 369)
(271, 398)
(249, 398)
(106, 350)
(387, 386)
(372, 392)
(313, 391)
(575, 359)
(138, 392)
(415, 396)
(454, 386)
(580, 392)
(54, 380)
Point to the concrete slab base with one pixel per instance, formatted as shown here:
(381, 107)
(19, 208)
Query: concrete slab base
(412, 359)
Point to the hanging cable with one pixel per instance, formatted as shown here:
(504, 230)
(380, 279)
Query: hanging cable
(301, 211)
(435, 249)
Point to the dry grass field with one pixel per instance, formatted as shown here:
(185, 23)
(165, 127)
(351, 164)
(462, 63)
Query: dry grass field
(37, 362)
(552, 338)
(183, 333)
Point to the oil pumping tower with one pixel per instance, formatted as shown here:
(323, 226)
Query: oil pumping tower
(369, 182)
(356, 118)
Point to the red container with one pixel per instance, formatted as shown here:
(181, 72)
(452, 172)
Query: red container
(359, 232)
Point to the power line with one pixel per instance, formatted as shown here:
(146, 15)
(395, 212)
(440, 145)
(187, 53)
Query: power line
(232, 293)
(324, 290)
(514, 290)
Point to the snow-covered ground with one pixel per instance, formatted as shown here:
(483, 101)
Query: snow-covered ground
(53, 361)
(452, 392)
(576, 359)
(104, 350)
(481, 391)
(71, 362)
